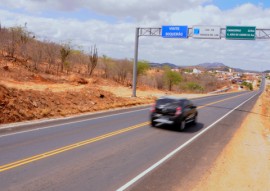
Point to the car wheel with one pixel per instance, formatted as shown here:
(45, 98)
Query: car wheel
(194, 120)
(182, 125)
(153, 124)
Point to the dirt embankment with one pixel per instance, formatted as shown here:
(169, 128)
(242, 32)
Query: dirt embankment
(19, 105)
(245, 162)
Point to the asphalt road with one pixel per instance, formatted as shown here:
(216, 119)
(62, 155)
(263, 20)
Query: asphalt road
(118, 149)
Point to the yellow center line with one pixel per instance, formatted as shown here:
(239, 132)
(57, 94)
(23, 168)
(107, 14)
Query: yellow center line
(67, 148)
(85, 142)
(212, 103)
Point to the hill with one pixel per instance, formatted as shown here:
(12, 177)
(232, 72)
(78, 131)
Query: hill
(204, 66)
(222, 67)
(212, 65)
(161, 65)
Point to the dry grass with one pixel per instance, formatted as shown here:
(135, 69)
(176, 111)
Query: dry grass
(266, 112)
(266, 102)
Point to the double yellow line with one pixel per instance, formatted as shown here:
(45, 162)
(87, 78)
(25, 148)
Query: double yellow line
(212, 103)
(67, 148)
(82, 143)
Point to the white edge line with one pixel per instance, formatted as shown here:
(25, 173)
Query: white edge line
(38, 129)
(128, 184)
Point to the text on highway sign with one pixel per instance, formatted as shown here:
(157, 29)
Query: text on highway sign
(174, 31)
(240, 33)
(206, 32)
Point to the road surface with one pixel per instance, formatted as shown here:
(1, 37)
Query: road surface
(118, 149)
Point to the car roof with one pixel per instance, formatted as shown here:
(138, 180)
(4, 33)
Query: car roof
(172, 97)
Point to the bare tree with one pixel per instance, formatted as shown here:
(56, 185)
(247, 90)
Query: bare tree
(12, 42)
(93, 60)
(51, 52)
(159, 78)
(37, 54)
(25, 38)
(106, 65)
(121, 69)
(17, 39)
(78, 60)
(3, 40)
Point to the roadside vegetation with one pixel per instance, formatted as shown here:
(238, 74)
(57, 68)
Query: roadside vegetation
(248, 85)
(266, 103)
(48, 59)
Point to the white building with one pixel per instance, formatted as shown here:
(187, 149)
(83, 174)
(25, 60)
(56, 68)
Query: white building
(196, 71)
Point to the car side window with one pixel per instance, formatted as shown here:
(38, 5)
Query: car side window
(186, 104)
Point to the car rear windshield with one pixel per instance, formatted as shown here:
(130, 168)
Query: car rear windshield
(166, 101)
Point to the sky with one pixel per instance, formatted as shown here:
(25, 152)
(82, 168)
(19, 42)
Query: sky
(110, 25)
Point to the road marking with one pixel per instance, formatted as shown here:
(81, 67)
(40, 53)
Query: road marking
(220, 101)
(62, 124)
(151, 168)
(80, 144)
(67, 148)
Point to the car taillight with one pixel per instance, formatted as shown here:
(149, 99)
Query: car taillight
(153, 108)
(178, 111)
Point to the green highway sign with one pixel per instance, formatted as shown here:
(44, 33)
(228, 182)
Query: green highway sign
(240, 33)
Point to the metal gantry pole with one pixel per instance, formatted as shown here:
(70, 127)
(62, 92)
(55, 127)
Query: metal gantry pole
(134, 84)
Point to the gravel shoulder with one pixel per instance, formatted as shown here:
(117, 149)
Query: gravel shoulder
(244, 164)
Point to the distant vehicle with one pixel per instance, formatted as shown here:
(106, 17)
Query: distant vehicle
(173, 111)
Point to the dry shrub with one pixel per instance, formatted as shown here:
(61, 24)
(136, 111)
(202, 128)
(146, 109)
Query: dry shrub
(6, 68)
(76, 79)
(266, 102)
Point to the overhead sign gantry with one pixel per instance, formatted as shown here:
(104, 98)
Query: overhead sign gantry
(197, 32)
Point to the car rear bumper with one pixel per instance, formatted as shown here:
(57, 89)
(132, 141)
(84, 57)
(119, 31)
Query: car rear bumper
(163, 120)
(170, 120)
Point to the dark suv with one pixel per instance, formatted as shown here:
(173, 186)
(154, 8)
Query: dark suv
(173, 111)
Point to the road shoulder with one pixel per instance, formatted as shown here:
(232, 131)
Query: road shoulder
(244, 164)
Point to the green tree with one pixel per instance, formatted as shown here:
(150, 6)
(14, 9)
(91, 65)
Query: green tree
(194, 86)
(172, 78)
(248, 85)
(188, 70)
(143, 66)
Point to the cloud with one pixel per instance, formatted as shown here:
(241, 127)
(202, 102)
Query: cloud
(134, 9)
(117, 39)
